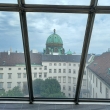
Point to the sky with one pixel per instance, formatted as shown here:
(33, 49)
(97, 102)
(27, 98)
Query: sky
(70, 27)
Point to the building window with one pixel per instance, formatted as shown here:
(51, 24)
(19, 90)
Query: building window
(74, 80)
(107, 93)
(45, 75)
(24, 75)
(40, 68)
(50, 77)
(69, 79)
(74, 71)
(19, 75)
(24, 68)
(69, 95)
(69, 64)
(40, 75)
(64, 88)
(9, 68)
(55, 77)
(64, 64)
(96, 82)
(84, 82)
(19, 68)
(100, 87)
(50, 64)
(54, 70)
(74, 64)
(69, 71)
(45, 67)
(50, 70)
(19, 84)
(1, 85)
(93, 78)
(59, 64)
(55, 64)
(35, 75)
(85, 72)
(69, 88)
(8, 84)
(64, 79)
(1, 75)
(59, 70)
(35, 68)
(9, 75)
(64, 70)
(1, 68)
(59, 79)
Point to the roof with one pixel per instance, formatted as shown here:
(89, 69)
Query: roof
(62, 58)
(13, 59)
(100, 66)
(54, 39)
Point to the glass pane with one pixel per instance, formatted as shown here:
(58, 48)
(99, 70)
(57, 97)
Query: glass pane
(59, 2)
(8, 1)
(96, 78)
(104, 2)
(56, 44)
(13, 81)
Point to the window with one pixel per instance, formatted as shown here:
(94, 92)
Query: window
(93, 78)
(35, 75)
(69, 95)
(40, 75)
(9, 75)
(96, 82)
(50, 77)
(59, 64)
(85, 72)
(69, 70)
(74, 71)
(107, 93)
(45, 67)
(69, 79)
(74, 80)
(84, 82)
(54, 70)
(9, 68)
(100, 87)
(40, 68)
(19, 84)
(45, 75)
(69, 88)
(8, 84)
(1, 68)
(35, 68)
(55, 77)
(24, 75)
(59, 79)
(64, 79)
(50, 64)
(1, 85)
(64, 64)
(1, 75)
(24, 68)
(69, 64)
(64, 87)
(55, 64)
(74, 64)
(19, 68)
(19, 75)
(59, 70)
(50, 70)
(64, 70)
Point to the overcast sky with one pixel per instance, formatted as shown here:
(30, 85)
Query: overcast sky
(70, 27)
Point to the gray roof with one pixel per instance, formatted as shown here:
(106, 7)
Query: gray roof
(13, 59)
(62, 58)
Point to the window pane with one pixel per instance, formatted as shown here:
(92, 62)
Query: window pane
(98, 67)
(53, 39)
(104, 2)
(59, 2)
(12, 62)
(8, 1)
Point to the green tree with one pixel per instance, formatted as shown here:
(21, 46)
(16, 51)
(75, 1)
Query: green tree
(15, 92)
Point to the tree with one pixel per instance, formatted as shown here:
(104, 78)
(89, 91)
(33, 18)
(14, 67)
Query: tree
(15, 92)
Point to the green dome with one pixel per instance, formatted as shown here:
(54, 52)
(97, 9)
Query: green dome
(54, 39)
(69, 52)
